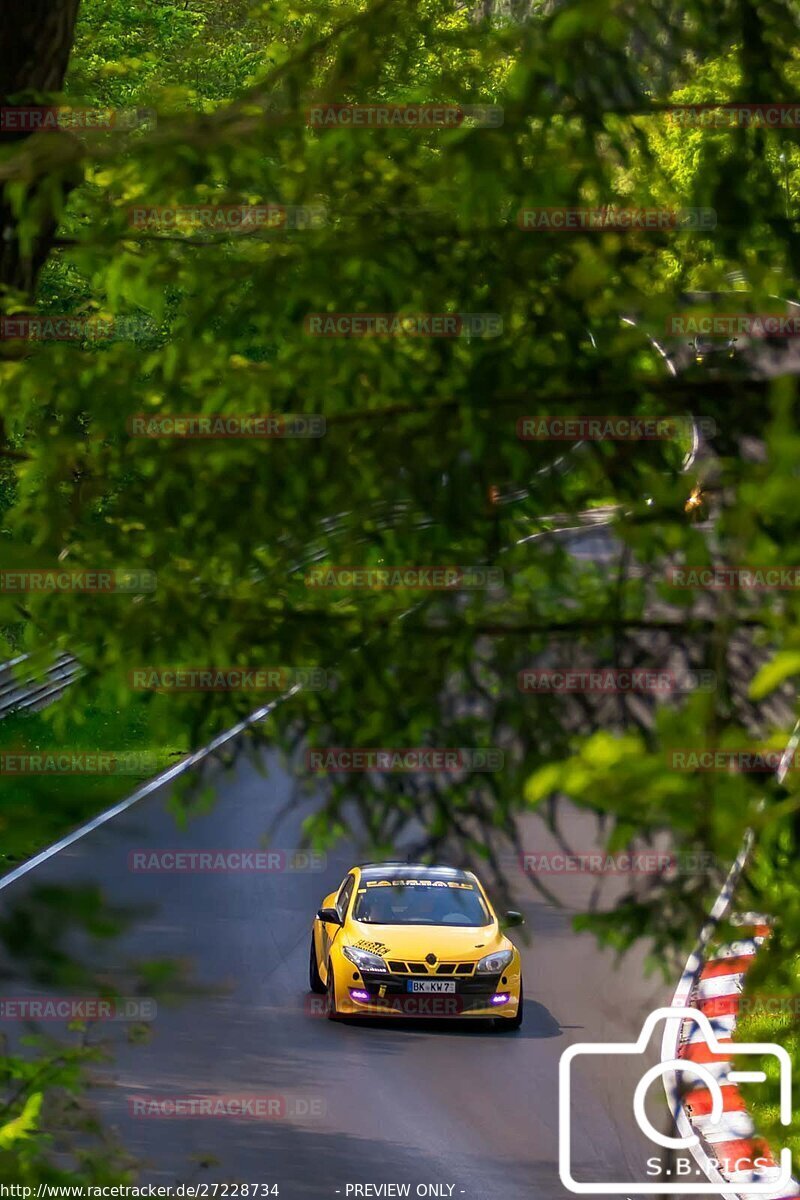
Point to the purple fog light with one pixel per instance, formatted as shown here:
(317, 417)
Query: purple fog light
(359, 994)
(497, 998)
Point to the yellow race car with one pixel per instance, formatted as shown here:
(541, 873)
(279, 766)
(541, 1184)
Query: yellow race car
(401, 939)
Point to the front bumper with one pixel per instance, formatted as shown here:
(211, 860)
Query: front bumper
(388, 996)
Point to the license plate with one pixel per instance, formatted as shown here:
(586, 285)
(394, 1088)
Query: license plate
(432, 985)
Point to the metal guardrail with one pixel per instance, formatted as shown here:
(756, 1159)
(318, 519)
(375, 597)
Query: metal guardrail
(27, 689)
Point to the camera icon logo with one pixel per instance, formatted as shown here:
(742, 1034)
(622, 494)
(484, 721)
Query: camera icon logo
(699, 1075)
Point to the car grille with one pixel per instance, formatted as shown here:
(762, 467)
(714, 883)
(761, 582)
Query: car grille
(420, 968)
(478, 989)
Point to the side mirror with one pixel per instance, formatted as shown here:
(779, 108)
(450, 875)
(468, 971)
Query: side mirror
(329, 915)
(511, 919)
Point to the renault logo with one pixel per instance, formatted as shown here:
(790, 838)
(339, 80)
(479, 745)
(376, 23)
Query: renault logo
(430, 958)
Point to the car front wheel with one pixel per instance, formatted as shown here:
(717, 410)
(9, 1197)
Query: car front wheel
(314, 978)
(332, 1011)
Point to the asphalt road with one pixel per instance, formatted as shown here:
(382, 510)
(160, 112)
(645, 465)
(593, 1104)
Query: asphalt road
(453, 1105)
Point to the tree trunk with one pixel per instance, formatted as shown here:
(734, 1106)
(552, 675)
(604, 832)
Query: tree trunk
(36, 38)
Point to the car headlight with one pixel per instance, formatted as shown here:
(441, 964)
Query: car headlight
(493, 963)
(365, 960)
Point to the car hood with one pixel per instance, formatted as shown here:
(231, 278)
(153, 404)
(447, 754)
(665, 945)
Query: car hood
(416, 941)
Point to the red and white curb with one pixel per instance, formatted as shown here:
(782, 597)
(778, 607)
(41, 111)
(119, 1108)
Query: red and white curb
(730, 1152)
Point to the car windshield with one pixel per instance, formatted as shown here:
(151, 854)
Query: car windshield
(420, 902)
(707, 345)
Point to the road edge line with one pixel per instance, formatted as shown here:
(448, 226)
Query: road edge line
(186, 764)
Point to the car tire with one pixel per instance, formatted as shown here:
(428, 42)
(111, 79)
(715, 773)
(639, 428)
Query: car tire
(331, 1010)
(314, 978)
(510, 1024)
